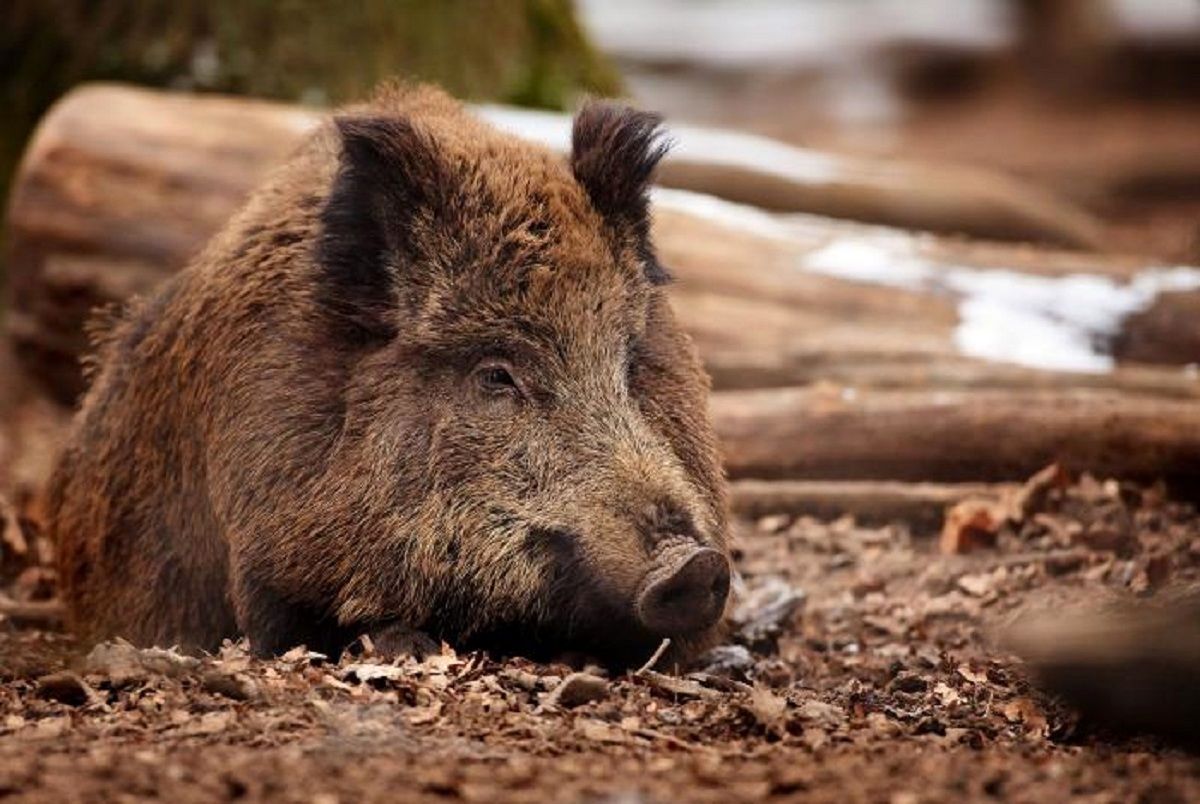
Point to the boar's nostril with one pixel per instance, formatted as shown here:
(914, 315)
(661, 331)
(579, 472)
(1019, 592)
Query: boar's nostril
(685, 592)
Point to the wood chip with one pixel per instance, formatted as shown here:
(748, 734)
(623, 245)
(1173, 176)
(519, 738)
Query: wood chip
(578, 689)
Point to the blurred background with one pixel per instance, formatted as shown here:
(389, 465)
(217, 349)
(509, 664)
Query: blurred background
(1098, 100)
(1094, 99)
(868, 194)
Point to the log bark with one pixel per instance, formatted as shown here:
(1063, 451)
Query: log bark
(762, 320)
(117, 189)
(962, 435)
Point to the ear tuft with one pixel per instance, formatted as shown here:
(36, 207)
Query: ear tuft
(614, 151)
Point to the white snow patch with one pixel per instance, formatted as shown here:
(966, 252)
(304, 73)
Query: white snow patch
(549, 129)
(883, 259)
(1062, 323)
(742, 217)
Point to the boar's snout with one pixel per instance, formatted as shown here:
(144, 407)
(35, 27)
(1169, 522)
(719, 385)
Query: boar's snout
(684, 591)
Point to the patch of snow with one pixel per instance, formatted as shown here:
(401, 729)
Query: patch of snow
(883, 259)
(549, 129)
(762, 154)
(1061, 323)
(724, 213)
(786, 33)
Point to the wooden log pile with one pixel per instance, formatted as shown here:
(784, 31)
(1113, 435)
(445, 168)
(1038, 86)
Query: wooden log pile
(842, 351)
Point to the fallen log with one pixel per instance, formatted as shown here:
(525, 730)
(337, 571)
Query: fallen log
(870, 502)
(771, 175)
(789, 300)
(120, 186)
(955, 435)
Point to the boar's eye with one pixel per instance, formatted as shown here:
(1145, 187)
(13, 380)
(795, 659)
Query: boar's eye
(497, 378)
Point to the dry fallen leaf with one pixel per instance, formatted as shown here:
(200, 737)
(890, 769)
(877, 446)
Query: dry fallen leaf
(599, 731)
(972, 524)
(977, 585)
(947, 695)
(972, 675)
(421, 715)
(1031, 497)
(122, 664)
(367, 673)
(767, 708)
(211, 723)
(1027, 713)
(820, 712)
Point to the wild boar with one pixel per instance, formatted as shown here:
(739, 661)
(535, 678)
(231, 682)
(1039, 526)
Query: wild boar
(426, 379)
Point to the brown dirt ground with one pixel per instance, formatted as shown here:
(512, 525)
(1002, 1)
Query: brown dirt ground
(866, 667)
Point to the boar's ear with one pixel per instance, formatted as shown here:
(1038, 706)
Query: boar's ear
(614, 151)
(390, 179)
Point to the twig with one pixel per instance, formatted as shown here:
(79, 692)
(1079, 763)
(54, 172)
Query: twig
(654, 657)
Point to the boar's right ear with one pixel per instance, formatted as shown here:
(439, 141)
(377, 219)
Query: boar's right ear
(390, 179)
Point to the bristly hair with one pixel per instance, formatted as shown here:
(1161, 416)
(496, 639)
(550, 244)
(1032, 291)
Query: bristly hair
(614, 153)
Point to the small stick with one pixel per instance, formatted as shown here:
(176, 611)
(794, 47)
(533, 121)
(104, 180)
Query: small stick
(653, 660)
(37, 614)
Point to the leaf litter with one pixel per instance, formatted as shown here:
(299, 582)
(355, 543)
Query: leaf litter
(861, 664)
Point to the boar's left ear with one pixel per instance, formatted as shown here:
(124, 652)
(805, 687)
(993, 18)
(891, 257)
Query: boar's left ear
(390, 179)
(614, 152)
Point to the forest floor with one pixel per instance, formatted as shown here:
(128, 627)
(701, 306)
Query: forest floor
(867, 663)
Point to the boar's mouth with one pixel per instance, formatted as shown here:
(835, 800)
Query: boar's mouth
(682, 595)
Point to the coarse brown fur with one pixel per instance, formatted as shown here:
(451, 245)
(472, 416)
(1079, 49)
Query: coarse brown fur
(428, 376)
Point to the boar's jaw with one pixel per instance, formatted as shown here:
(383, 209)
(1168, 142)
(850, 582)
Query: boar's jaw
(585, 614)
